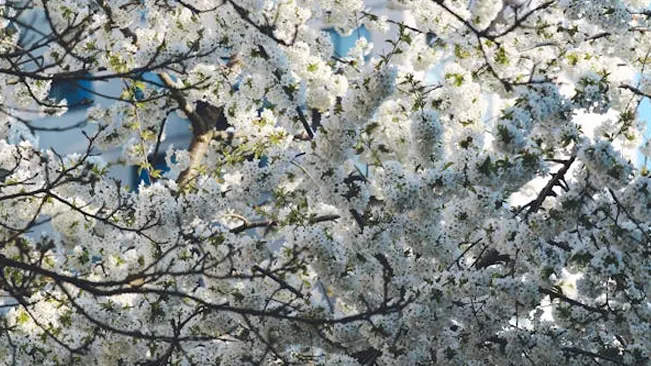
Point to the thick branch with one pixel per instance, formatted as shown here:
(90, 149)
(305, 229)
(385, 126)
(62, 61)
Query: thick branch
(280, 313)
(202, 131)
(578, 351)
(269, 223)
(199, 125)
(548, 190)
(556, 295)
(198, 148)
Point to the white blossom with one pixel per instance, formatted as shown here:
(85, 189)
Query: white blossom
(460, 189)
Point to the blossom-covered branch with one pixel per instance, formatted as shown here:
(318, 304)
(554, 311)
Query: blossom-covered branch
(459, 185)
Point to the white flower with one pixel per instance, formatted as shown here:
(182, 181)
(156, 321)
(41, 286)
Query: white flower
(484, 11)
(645, 148)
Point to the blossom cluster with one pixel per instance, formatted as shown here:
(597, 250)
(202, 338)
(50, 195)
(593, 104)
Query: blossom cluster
(463, 196)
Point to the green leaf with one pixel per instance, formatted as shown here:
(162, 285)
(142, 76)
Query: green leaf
(22, 317)
(500, 56)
